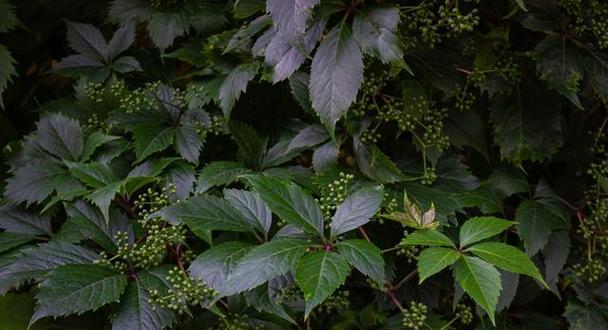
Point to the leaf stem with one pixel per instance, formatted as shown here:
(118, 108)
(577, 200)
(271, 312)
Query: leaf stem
(391, 295)
(406, 279)
(364, 234)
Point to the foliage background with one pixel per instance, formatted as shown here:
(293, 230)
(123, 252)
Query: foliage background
(523, 90)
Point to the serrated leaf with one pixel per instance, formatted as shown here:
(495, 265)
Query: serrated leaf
(214, 265)
(8, 19)
(102, 197)
(508, 258)
(336, 75)
(364, 256)
(428, 237)
(508, 181)
(91, 223)
(289, 17)
(356, 210)
(241, 40)
(16, 220)
(135, 311)
(188, 143)
(10, 240)
(205, 212)
(534, 223)
(308, 137)
(325, 156)
(555, 254)
(509, 282)
(298, 82)
(122, 39)
(290, 202)
(526, 124)
(87, 40)
(34, 262)
(94, 175)
(125, 64)
(585, 317)
(34, 183)
(72, 289)
(479, 228)
(7, 70)
(234, 84)
(151, 138)
(480, 280)
(251, 207)
(251, 146)
(263, 263)
(60, 136)
(218, 174)
(560, 63)
(433, 260)
(319, 274)
(375, 164)
(94, 141)
(375, 32)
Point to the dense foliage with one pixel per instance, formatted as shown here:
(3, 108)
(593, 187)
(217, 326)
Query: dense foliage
(304, 164)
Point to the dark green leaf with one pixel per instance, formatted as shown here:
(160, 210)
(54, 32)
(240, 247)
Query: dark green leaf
(251, 207)
(214, 265)
(234, 84)
(60, 136)
(356, 210)
(336, 75)
(364, 256)
(375, 31)
(218, 174)
(319, 274)
(16, 220)
(11, 240)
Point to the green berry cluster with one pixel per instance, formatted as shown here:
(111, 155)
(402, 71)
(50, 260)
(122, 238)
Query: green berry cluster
(588, 16)
(590, 272)
(183, 292)
(429, 176)
(395, 110)
(409, 251)
(369, 136)
(94, 124)
(152, 200)
(217, 125)
(456, 22)
(338, 301)
(464, 314)
(389, 205)
(464, 98)
(334, 194)
(414, 317)
(433, 130)
(108, 94)
(237, 322)
(289, 293)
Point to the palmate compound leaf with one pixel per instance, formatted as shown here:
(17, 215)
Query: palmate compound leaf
(429, 237)
(289, 17)
(16, 220)
(234, 84)
(72, 289)
(508, 258)
(218, 174)
(433, 260)
(251, 207)
(318, 275)
(375, 32)
(263, 263)
(356, 210)
(290, 202)
(336, 75)
(214, 265)
(480, 280)
(364, 256)
(60, 136)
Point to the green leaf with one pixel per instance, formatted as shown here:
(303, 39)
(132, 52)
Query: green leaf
(12, 240)
(94, 175)
(88, 41)
(205, 212)
(534, 223)
(71, 289)
(336, 75)
(480, 228)
(251, 146)
(433, 260)
(60, 136)
(521, 4)
(364, 256)
(34, 183)
(34, 262)
(526, 124)
(319, 274)
(16, 308)
(188, 143)
(7, 69)
(560, 63)
(375, 164)
(251, 207)
(555, 254)
(290, 202)
(91, 224)
(298, 82)
(16, 220)
(214, 265)
(94, 141)
(375, 31)
(585, 317)
(508, 181)
(263, 263)
(480, 280)
(8, 19)
(234, 84)
(356, 210)
(102, 197)
(164, 27)
(289, 17)
(218, 174)
(135, 311)
(429, 237)
(151, 138)
(508, 258)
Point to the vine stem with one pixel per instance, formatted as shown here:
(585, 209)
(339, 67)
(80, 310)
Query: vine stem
(449, 323)
(364, 234)
(390, 249)
(406, 279)
(391, 295)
